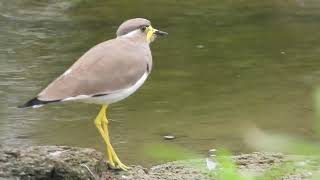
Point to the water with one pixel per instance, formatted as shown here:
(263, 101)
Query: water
(225, 64)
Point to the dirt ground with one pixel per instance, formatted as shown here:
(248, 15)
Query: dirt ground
(253, 164)
(71, 163)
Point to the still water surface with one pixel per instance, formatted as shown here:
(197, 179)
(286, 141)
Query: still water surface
(223, 65)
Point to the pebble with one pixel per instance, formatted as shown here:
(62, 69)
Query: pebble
(169, 137)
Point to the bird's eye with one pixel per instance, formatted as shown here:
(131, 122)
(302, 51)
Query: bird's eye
(144, 28)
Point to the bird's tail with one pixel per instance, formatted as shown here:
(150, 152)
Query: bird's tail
(35, 102)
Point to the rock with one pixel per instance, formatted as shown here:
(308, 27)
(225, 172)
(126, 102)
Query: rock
(50, 162)
(258, 161)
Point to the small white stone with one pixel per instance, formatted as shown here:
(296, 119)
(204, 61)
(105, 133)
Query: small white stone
(169, 137)
(124, 177)
(55, 154)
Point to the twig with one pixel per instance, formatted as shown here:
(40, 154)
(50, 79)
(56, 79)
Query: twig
(88, 169)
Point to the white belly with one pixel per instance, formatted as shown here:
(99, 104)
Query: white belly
(117, 95)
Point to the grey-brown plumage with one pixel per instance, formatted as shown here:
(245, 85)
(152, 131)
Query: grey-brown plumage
(108, 72)
(102, 70)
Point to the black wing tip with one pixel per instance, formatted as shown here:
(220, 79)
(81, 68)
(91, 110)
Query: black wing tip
(34, 102)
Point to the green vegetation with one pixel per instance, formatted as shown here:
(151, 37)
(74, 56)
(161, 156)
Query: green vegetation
(227, 169)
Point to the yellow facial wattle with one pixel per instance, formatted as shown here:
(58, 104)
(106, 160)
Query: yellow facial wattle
(150, 31)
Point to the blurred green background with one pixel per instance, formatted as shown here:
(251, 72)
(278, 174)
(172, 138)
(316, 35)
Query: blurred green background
(225, 64)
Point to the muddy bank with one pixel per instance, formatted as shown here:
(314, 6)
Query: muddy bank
(71, 163)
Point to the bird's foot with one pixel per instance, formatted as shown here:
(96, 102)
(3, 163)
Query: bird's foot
(122, 166)
(114, 161)
(118, 166)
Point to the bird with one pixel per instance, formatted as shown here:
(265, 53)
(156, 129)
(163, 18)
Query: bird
(107, 73)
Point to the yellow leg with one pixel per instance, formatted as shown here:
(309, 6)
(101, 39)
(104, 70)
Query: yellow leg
(106, 132)
(101, 123)
(109, 153)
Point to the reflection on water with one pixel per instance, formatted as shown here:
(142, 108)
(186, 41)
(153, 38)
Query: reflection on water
(224, 64)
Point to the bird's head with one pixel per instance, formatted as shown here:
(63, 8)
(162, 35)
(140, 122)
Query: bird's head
(139, 27)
